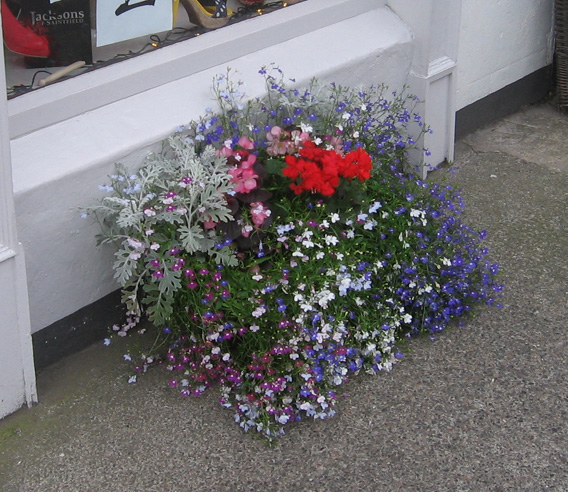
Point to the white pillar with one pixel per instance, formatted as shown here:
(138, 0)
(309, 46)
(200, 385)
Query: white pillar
(435, 25)
(17, 375)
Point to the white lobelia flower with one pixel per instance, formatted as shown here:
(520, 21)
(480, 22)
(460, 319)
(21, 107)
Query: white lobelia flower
(374, 207)
(308, 243)
(258, 312)
(325, 297)
(370, 225)
(306, 306)
(331, 240)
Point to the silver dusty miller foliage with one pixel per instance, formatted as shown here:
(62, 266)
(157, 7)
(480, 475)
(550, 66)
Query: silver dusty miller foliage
(160, 214)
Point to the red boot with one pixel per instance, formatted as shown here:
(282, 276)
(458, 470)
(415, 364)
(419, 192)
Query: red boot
(21, 39)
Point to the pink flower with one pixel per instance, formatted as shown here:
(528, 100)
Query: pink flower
(243, 175)
(274, 133)
(279, 141)
(336, 143)
(259, 213)
(226, 151)
(246, 230)
(246, 143)
(299, 138)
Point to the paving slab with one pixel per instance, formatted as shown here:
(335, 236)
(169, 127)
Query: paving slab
(484, 407)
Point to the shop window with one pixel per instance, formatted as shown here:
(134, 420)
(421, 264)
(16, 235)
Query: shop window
(52, 40)
(127, 68)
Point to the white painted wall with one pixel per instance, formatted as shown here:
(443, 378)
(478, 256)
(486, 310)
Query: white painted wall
(500, 42)
(58, 164)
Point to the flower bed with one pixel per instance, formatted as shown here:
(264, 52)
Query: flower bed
(281, 248)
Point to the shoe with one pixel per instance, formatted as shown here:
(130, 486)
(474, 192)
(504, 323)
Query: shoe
(201, 14)
(210, 6)
(21, 39)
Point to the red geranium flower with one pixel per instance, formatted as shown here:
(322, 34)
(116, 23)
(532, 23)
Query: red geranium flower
(357, 164)
(319, 170)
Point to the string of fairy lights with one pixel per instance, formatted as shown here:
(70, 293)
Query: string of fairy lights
(176, 35)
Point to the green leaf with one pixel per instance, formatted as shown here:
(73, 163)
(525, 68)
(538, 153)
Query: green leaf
(191, 238)
(274, 166)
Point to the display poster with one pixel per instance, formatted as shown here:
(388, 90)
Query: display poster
(119, 20)
(67, 26)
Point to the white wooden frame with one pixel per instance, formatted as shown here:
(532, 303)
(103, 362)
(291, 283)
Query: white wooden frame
(17, 375)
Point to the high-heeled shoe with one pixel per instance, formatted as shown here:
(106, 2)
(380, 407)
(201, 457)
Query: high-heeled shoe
(21, 39)
(200, 13)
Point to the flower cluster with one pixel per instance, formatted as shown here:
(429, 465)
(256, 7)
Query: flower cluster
(319, 170)
(335, 253)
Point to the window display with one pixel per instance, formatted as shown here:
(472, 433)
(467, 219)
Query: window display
(49, 40)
